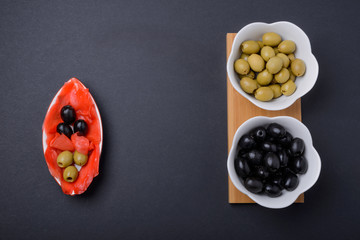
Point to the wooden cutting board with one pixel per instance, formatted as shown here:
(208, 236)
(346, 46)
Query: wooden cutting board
(239, 110)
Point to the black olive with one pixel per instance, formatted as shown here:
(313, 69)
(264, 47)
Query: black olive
(289, 153)
(246, 142)
(290, 180)
(262, 173)
(277, 179)
(297, 147)
(259, 134)
(276, 130)
(299, 165)
(268, 160)
(242, 167)
(270, 139)
(253, 185)
(255, 157)
(241, 152)
(286, 140)
(283, 157)
(80, 126)
(272, 190)
(268, 146)
(65, 129)
(272, 162)
(68, 114)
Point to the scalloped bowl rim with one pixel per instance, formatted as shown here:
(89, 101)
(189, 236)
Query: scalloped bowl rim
(307, 180)
(303, 51)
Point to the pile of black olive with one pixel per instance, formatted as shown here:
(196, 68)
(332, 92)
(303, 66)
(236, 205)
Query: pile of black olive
(68, 115)
(269, 159)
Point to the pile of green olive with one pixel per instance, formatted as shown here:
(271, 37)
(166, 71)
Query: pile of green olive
(268, 68)
(66, 159)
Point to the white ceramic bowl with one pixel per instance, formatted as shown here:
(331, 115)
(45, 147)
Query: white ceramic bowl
(288, 31)
(306, 181)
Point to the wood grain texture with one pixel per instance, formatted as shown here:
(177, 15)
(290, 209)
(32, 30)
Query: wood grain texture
(239, 110)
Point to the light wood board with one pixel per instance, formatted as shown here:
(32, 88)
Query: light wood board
(239, 110)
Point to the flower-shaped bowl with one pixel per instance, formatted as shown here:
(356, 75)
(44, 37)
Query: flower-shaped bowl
(306, 181)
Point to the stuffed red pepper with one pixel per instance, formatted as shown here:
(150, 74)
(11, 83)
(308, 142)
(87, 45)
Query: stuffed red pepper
(72, 138)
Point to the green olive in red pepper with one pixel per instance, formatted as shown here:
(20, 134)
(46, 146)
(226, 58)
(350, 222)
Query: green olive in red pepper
(80, 159)
(64, 159)
(70, 174)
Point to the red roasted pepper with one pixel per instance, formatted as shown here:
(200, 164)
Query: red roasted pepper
(73, 93)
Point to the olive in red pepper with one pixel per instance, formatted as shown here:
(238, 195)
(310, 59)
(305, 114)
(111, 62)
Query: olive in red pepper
(65, 129)
(68, 114)
(80, 127)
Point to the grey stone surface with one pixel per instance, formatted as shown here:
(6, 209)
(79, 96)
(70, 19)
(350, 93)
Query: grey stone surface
(157, 72)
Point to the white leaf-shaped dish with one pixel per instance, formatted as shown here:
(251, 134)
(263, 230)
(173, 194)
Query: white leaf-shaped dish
(307, 180)
(92, 166)
(288, 31)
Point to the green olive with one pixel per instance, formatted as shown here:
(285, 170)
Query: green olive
(80, 159)
(244, 56)
(264, 94)
(286, 60)
(251, 74)
(267, 53)
(276, 89)
(248, 85)
(271, 39)
(276, 50)
(241, 66)
(282, 76)
(287, 47)
(261, 44)
(70, 174)
(274, 65)
(250, 47)
(264, 78)
(298, 67)
(292, 76)
(64, 159)
(256, 62)
(288, 88)
(291, 57)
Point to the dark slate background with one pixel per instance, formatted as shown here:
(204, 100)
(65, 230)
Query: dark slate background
(157, 72)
